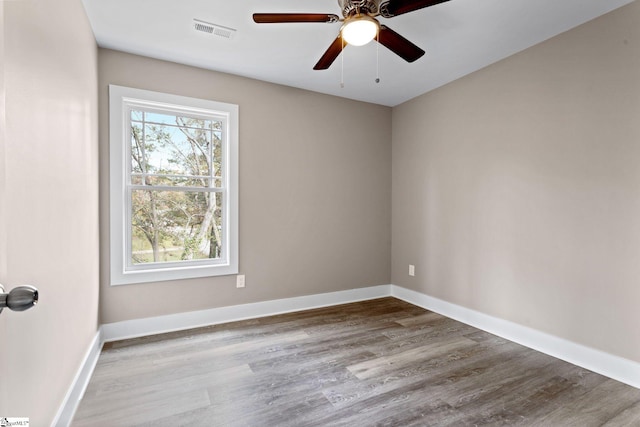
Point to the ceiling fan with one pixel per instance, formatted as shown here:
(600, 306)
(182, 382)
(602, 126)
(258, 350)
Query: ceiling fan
(360, 26)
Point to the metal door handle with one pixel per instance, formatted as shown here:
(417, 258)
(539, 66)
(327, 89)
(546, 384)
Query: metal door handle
(20, 298)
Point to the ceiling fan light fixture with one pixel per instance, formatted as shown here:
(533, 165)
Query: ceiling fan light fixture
(359, 30)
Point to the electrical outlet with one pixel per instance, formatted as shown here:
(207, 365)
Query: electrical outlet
(240, 281)
(412, 270)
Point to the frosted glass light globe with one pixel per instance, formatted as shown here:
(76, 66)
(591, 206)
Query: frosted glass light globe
(359, 30)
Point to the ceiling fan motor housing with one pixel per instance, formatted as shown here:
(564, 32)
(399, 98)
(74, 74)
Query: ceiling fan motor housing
(353, 7)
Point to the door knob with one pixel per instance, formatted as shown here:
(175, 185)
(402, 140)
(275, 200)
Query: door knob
(20, 298)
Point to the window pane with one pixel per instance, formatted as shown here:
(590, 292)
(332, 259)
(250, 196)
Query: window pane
(217, 154)
(194, 123)
(137, 115)
(170, 226)
(170, 150)
(137, 153)
(171, 119)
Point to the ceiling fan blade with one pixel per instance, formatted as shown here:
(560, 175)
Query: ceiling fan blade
(398, 7)
(330, 55)
(277, 18)
(398, 44)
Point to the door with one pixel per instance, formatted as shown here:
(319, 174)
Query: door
(48, 201)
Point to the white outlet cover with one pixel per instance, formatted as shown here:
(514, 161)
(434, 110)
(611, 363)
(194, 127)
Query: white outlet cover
(240, 281)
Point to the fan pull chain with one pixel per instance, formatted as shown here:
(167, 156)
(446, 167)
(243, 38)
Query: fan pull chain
(342, 64)
(378, 57)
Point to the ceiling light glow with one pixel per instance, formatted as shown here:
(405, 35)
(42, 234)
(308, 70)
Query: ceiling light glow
(359, 30)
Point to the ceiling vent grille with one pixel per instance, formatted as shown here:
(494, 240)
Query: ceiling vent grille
(215, 29)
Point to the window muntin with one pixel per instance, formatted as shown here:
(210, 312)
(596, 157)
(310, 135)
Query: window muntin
(178, 189)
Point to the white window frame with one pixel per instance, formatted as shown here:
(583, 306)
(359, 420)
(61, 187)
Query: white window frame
(121, 100)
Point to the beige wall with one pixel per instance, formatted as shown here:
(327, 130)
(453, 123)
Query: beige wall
(516, 190)
(49, 193)
(315, 191)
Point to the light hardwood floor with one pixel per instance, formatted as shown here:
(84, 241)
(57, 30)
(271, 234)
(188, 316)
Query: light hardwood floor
(382, 362)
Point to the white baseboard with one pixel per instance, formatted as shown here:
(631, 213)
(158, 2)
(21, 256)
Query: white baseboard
(195, 319)
(617, 368)
(79, 385)
(614, 367)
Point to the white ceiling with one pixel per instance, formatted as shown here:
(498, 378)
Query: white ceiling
(459, 36)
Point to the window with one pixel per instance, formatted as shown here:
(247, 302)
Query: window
(174, 186)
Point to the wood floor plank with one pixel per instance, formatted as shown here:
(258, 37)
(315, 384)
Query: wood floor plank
(597, 407)
(382, 365)
(374, 363)
(439, 373)
(628, 417)
(144, 409)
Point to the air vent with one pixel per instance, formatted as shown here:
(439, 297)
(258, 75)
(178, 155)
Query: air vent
(215, 29)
